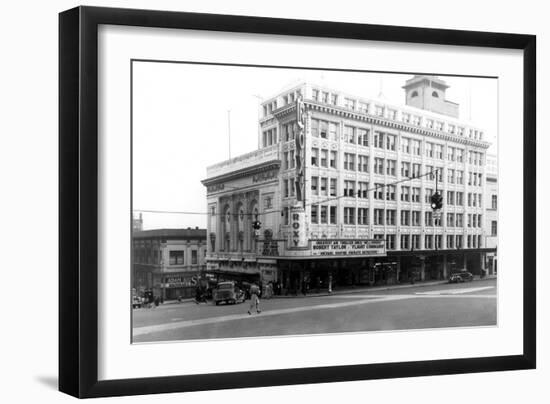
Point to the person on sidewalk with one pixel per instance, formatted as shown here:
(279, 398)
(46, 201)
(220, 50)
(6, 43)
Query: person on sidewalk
(254, 299)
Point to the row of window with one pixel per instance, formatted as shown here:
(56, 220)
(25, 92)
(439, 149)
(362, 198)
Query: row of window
(390, 113)
(431, 241)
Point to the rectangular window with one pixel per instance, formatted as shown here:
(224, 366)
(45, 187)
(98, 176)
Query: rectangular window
(315, 127)
(459, 198)
(390, 142)
(333, 131)
(450, 153)
(324, 214)
(416, 217)
(333, 215)
(349, 103)
(315, 157)
(324, 190)
(415, 170)
(175, 257)
(429, 149)
(315, 214)
(459, 219)
(438, 241)
(333, 187)
(362, 137)
(349, 188)
(349, 161)
(379, 140)
(405, 169)
(450, 219)
(416, 147)
(405, 145)
(323, 129)
(405, 218)
(493, 201)
(428, 241)
(379, 217)
(363, 107)
(450, 176)
(292, 159)
(315, 185)
(363, 190)
(194, 260)
(324, 158)
(349, 215)
(390, 167)
(333, 159)
(428, 219)
(405, 193)
(416, 194)
(438, 151)
(379, 165)
(349, 134)
(460, 177)
(363, 163)
(390, 217)
(450, 241)
(450, 197)
(362, 216)
(493, 228)
(390, 192)
(390, 241)
(378, 191)
(458, 240)
(416, 241)
(405, 242)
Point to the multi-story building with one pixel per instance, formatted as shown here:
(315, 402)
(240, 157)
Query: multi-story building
(491, 212)
(342, 184)
(169, 262)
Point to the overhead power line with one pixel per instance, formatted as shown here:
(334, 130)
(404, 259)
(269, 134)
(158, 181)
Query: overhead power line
(377, 187)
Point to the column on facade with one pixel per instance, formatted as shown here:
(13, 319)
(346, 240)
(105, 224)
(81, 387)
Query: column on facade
(422, 269)
(423, 193)
(444, 189)
(398, 193)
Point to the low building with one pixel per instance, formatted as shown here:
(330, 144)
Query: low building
(168, 262)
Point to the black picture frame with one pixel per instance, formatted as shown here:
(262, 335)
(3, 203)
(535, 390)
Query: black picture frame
(78, 200)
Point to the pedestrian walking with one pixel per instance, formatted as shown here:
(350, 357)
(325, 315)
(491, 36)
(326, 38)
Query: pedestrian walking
(254, 299)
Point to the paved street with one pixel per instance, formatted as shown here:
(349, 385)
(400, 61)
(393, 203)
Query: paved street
(441, 305)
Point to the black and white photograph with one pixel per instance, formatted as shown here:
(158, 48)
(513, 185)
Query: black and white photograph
(271, 201)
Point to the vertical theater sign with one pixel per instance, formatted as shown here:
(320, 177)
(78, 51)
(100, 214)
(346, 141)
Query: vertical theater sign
(298, 234)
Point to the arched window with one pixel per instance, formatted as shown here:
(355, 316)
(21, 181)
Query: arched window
(414, 94)
(435, 94)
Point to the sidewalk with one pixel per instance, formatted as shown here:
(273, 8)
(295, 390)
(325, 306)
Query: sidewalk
(364, 289)
(349, 290)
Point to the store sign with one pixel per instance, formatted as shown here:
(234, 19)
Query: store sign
(298, 235)
(176, 281)
(348, 247)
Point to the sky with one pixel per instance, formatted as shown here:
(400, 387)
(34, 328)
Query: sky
(185, 114)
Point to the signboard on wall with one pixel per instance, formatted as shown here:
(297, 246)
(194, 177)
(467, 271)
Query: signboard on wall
(348, 248)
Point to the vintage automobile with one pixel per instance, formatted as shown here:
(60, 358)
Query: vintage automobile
(228, 293)
(462, 276)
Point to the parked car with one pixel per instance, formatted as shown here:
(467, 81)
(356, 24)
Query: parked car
(462, 276)
(228, 293)
(137, 302)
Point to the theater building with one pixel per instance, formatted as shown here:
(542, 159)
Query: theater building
(341, 185)
(168, 262)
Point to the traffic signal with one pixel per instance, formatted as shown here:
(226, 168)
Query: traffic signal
(256, 225)
(436, 201)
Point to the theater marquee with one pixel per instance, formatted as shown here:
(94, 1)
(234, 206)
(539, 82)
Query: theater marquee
(348, 247)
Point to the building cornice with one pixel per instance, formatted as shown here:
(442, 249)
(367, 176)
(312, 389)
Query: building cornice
(380, 121)
(244, 172)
